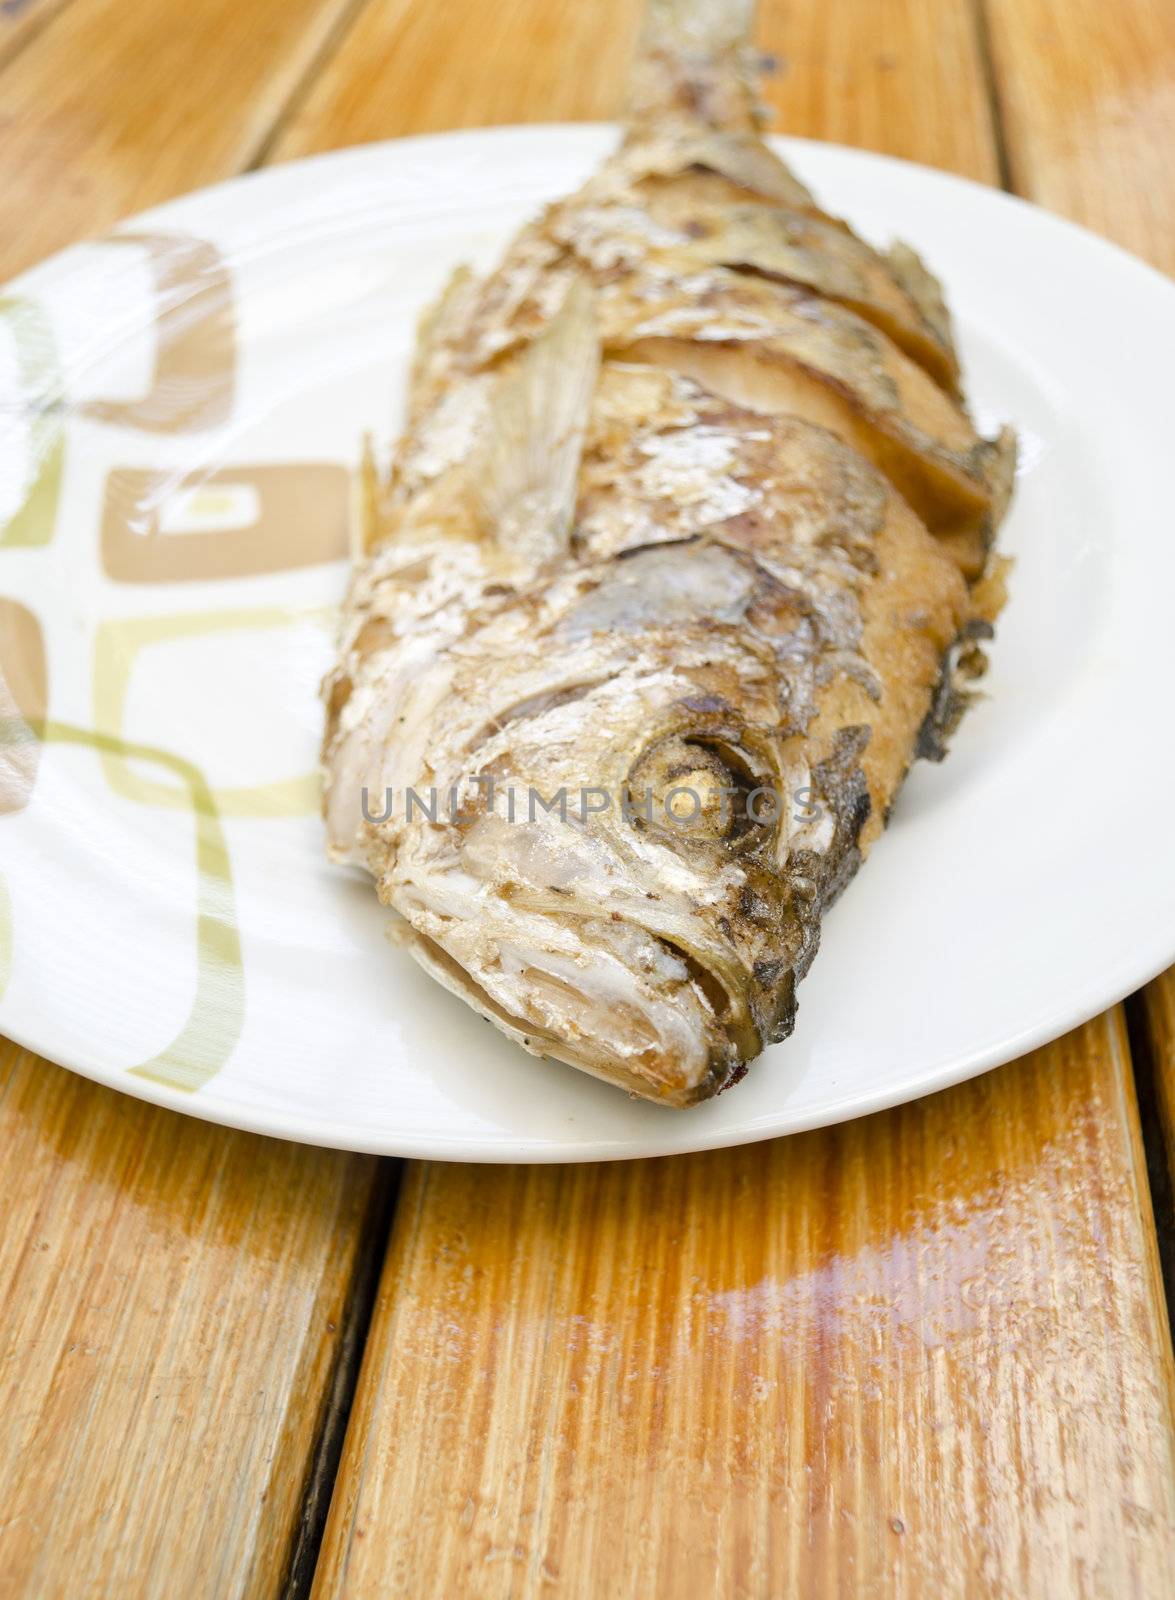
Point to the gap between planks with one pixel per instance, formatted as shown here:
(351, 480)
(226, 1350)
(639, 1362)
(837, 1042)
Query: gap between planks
(1151, 1022)
(323, 1464)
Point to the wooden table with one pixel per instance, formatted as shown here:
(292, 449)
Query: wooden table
(924, 1354)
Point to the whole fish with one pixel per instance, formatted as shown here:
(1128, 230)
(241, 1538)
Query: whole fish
(679, 564)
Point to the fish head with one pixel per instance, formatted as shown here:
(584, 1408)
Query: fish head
(613, 791)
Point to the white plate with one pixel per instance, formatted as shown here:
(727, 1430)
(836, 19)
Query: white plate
(204, 956)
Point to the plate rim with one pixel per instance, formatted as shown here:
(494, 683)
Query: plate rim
(349, 1136)
(1121, 980)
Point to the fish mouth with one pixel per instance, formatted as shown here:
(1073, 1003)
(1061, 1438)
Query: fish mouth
(608, 949)
(660, 1041)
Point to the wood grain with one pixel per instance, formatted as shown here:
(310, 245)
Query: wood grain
(844, 75)
(901, 76)
(115, 107)
(1087, 92)
(21, 19)
(174, 1297)
(922, 1353)
(412, 68)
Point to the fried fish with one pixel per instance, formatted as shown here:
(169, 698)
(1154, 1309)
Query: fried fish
(678, 566)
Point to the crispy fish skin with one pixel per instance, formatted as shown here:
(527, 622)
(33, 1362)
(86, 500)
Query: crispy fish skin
(681, 530)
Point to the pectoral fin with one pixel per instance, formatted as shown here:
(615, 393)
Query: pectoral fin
(527, 470)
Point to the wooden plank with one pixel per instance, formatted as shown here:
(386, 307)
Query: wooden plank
(409, 68)
(924, 1353)
(412, 68)
(174, 1299)
(1089, 113)
(115, 107)
(918, 1354)
(901, 76)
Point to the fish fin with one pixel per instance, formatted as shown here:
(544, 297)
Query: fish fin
(999, 468)
(694, 62)
(924, 289)
(440, 324)
(526, 474)
(363, 523)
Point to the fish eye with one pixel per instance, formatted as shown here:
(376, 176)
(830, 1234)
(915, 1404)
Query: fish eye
(692, 787)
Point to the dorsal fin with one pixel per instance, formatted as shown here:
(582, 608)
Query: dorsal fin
(527, 472)
(363, 522)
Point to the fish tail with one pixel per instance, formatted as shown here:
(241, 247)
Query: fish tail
(695, 61)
